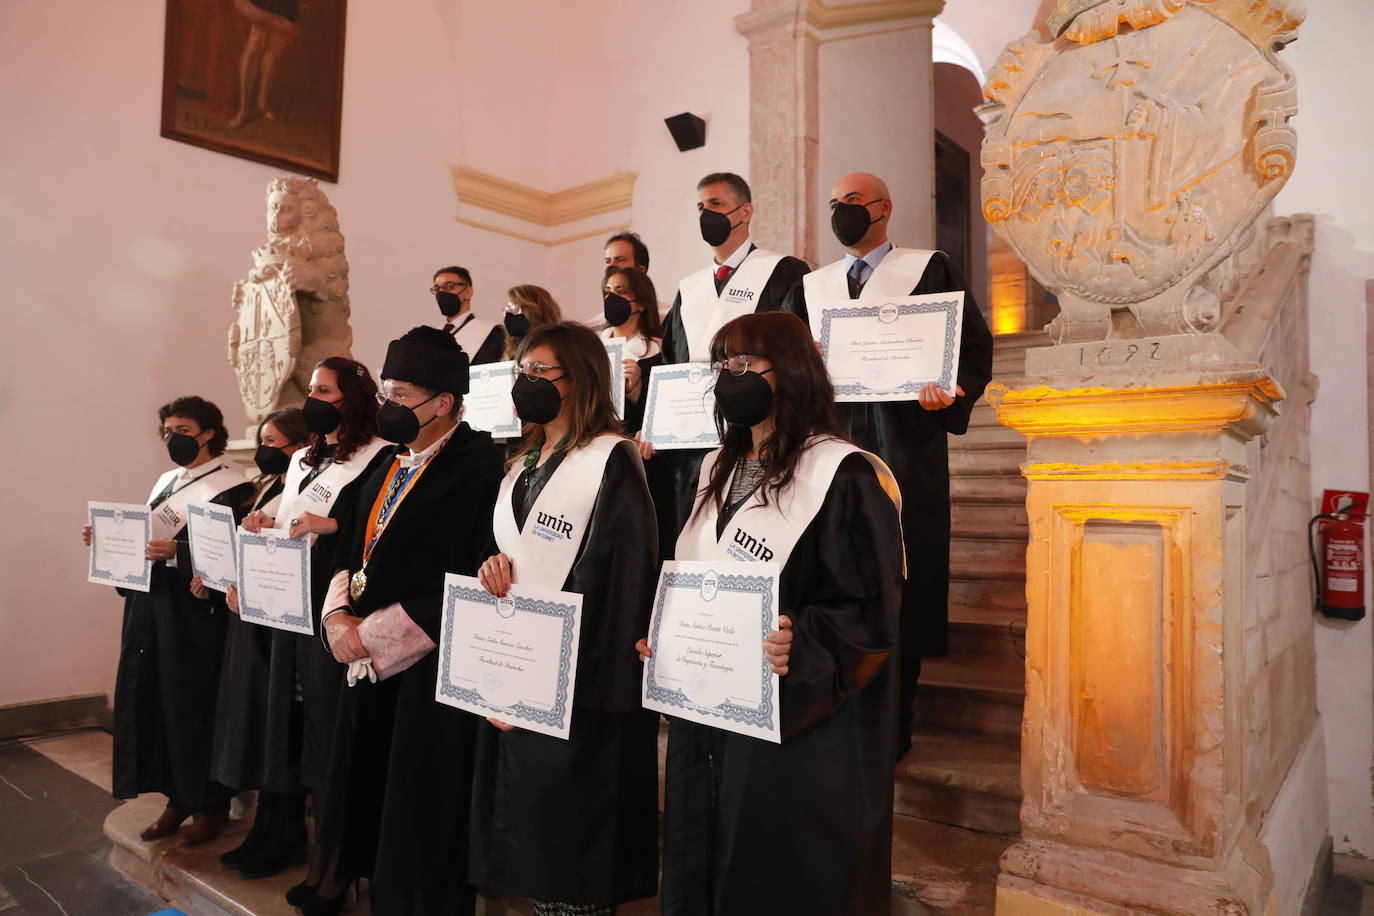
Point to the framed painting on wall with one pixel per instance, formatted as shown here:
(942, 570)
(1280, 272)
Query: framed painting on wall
(257, 79)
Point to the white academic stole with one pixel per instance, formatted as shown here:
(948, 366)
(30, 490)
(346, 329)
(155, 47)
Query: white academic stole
(322, 492)
(170, 517)
(472, 333)
(704, 312)
(543, 554)
(898, 274)
(763, 533)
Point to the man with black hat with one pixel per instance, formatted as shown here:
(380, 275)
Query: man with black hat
(401, 779)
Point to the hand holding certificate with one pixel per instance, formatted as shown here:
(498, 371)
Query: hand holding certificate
(513, 658)
(274, 580)
(211, 533)
(120, 533)
(488, 406)
(679, 409)
(708, 665)
(885, 351)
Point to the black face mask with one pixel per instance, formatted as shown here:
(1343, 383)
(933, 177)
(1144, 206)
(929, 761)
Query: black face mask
(536, 401)
(716, 227)
(182, 448)
(616, 309)
(321, 417)
(398, 423)
(744, 400)
(849, 222)
(449, 303)
(516, 325)
(271, 460)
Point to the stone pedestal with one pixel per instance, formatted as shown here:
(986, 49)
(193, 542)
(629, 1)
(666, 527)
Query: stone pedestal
(1133, 729)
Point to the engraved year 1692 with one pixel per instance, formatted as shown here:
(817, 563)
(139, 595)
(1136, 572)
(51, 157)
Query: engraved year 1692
(1122, 353)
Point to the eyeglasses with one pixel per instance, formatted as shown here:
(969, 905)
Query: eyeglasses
(532, 370)
(737, 365)
(513, 309)
(395, 398)
(451, 286)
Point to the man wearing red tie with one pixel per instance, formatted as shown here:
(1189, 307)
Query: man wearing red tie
(452, 290)
(741, 278)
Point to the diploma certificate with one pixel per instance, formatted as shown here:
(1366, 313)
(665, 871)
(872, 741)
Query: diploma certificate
(615, 352)
(211, 530)
(487, 405)
(709, 622)
(513, 658)
(679, 409)
(120, 533)
(274, 580)
(885, 351)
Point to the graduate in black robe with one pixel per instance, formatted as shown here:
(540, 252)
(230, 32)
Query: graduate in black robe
(400, 782)
(172, 642)
(576, 821)
(804, 826)
(725, 209)
(912, 436)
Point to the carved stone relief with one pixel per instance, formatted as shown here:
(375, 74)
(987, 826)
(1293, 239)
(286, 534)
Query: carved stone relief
(1127, 157)
(292, 307)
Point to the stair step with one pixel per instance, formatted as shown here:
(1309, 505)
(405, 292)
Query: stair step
(1007, 593)
(994, 514)
(990, 460)
(944, 869)
(987, 489)
(992, 434)
(962, 779)
(973, 671)
(941, 706)
(1006, 553)
(967, 531)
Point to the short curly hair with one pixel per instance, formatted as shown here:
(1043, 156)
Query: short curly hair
(206, 415)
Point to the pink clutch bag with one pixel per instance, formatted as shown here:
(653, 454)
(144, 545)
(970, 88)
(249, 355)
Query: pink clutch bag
(393, 641)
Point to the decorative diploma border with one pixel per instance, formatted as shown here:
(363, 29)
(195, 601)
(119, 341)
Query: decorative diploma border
(761, 717)
(299, 623)
(552, 718)
(204, 511)
(487, 373)
(949, 308)
(119, 516)
(615, 353)
(669, 374)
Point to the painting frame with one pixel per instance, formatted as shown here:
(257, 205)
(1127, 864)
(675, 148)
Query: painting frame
(301, 130)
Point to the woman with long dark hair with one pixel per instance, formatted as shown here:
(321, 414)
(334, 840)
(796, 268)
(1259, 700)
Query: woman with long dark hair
(240, 713)
(573, 824)
(630, 306)
(829, 513)
(173, 642)
(321, 485)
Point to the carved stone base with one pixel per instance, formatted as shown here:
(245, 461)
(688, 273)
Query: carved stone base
(1135, 355)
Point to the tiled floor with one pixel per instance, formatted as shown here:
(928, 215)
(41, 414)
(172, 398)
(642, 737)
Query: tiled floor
(53, 853)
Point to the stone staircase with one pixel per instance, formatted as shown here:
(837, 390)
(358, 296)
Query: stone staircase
(958, 792)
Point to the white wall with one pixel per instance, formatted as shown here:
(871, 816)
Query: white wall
(1332, 60)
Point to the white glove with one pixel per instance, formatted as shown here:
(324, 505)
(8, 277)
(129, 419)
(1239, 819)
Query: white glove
(360, 669)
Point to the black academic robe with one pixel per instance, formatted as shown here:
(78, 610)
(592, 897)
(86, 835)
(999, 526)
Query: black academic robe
(576, 821)
(914, 443)
(300, 734)
(804, 826)
(241, 709)
(673, 475)
(400, 781)
(170, 652)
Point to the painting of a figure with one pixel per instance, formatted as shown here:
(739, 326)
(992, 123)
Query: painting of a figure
(257, 79)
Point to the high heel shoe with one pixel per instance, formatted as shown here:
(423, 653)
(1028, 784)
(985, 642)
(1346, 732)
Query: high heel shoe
(327, 906)
(302, 892)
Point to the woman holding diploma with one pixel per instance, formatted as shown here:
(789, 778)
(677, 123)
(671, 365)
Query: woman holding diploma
(241, 712)
(173, 642)
(573, 823)
(828, 513)
(630, 305)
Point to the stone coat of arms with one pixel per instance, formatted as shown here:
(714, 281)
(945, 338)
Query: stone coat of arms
(292, 309)
(1124, 159)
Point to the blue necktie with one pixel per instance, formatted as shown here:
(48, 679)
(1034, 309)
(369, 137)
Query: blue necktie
(856, 277)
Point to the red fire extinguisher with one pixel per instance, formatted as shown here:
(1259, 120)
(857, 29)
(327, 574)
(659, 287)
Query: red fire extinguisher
(1340, 574)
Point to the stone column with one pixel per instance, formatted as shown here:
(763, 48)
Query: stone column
(871, 91)
(1133, 732)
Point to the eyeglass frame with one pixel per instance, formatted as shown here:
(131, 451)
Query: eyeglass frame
(719, 364)
(520, 369)
(444, 288)
(401, 399)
